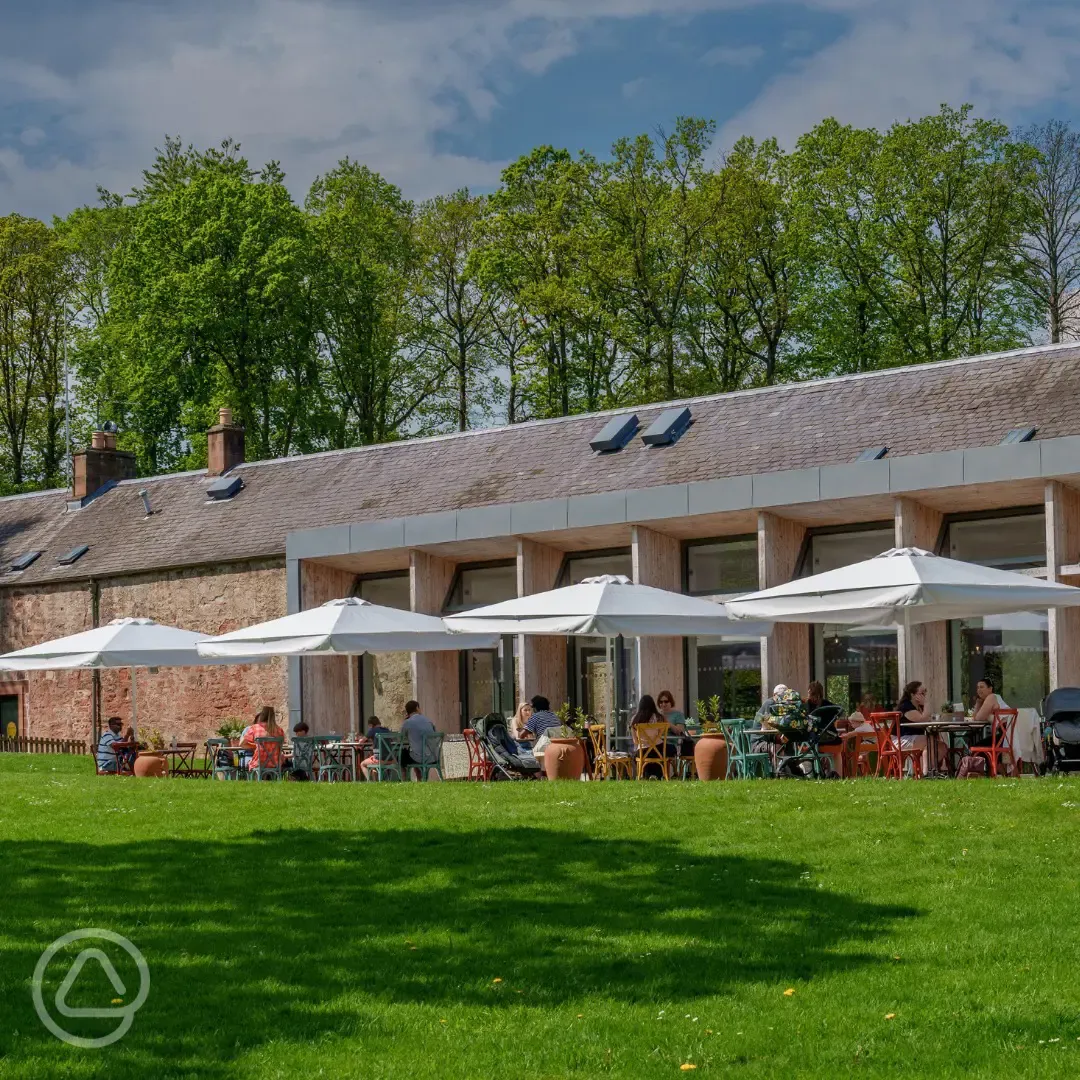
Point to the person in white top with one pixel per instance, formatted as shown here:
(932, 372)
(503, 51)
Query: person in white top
(986, 701)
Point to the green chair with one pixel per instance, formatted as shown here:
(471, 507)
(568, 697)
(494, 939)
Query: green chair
(431, 756)
(303, 755)
(387, 764)
(268, 754)
(214, 769)
(743, 761)
(330, 759)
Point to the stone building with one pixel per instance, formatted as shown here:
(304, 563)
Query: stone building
(978, 458)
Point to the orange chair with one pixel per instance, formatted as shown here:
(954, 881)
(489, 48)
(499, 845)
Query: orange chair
(480, 765)
(890, 747)
(615, 763)
(1002, 730)
(857, 748)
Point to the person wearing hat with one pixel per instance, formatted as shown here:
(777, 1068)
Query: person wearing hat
(764, 714)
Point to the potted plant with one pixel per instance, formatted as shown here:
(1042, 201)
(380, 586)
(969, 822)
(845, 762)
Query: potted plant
(564, 757)
(711, 749)
(231, 729)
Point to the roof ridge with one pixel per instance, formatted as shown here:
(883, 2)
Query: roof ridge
(801, 384)
(33, 494)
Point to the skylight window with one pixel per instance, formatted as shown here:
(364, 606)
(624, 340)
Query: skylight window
(23, 561)
(667, 427)
(875, 453)
(74, 555)
(615, 434)
(225, 487)
(1019, 435)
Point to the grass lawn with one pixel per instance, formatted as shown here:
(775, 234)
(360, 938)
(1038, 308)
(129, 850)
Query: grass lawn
(549, 930)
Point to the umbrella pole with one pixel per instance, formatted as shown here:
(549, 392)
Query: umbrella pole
(134, 707)
(352, 695)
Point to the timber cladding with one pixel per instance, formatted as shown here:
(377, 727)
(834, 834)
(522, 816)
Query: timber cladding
(188, 703)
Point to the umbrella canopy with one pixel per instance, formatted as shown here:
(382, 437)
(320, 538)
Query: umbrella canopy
(607, 606)
(903, 587)
(345, 627)
(122, 643)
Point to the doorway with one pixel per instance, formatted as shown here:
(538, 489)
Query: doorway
(9, 715)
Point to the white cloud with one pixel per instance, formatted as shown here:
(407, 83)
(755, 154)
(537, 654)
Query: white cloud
(733, 55)
(308, 81)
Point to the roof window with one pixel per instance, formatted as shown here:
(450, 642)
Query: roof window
(615, 434)
(23, 561)
(667, 428)
(74, 555)
(875, 453)
(1019, 435)
(224, 488)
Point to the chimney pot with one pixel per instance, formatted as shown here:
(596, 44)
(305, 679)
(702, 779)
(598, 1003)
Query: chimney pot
(109, 438)
(224, 445)
(97, 440)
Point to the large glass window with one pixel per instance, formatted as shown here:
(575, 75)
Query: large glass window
(728, 669)
(386, 680)
(1011, 543)
(851, 662)
(723, 567)
(475, 586)
(580, 567)
(1012, 650)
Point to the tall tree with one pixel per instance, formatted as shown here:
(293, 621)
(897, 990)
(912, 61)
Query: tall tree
(1050, 253)
(366, 277)
(455, 309)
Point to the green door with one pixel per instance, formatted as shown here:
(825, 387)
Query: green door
(9, 715)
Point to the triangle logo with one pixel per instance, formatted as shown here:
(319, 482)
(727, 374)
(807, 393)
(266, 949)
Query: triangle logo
(111, 974)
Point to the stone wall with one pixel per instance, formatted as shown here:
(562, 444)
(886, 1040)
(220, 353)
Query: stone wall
(188, 703)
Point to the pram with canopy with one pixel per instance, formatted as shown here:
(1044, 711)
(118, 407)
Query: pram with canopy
(508, 762)
(1061, 728)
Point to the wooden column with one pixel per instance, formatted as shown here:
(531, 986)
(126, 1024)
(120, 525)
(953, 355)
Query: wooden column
(1063, 549)
(785, 653)
(923, 651)
(436, 675)
(657, 561)
(541, 659)
(325, 679)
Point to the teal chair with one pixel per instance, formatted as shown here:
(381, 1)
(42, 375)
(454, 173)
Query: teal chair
(214, 769)
(387, 764)
(330, 759)
(743, 761)
(303, 755)
(431, 756)
(267, 749)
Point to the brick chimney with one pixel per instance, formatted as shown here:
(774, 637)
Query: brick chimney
(224, 445)
(100, 465)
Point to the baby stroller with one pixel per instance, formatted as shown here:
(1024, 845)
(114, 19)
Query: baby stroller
(508, 762)
(807, 732)
(1061, 729)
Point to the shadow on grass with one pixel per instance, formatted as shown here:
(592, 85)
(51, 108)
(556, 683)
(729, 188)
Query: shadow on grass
(267, 937)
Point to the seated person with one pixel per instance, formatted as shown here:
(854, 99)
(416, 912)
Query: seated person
(986, 701)
(517, 726)
(415, 727)
(301, 765)
(815, 697)
(375, 728)
(859, 720)
(537, 729)
(646, 713)
(763, 717)
(109, 760)
(914, 710)
(264, 726)
(680, 742)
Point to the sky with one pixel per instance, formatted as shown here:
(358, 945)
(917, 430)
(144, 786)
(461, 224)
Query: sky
(439, 94)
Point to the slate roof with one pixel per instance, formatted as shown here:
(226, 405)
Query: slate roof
(930, 407)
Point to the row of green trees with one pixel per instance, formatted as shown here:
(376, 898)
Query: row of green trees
(579, 284)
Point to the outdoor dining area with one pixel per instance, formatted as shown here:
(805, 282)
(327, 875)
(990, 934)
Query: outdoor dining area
(792, 735)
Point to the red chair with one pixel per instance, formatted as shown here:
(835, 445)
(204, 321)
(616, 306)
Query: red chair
(1002, 730)
(480, 765)
(891, 755)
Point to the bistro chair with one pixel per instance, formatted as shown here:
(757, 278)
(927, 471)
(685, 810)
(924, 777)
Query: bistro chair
(608, 763)
(216, 768)
(330, 759)
(858, 746)
(430, 756)
(743, 761)
(183, 759)
(387, 763)
(480, 765)
(652, 749)
(303, 755)
(266, 763)
(891, 755)
(123, 754)
(1002, 730)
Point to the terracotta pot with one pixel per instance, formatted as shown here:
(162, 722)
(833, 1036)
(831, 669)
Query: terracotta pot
(150, 765)
(564, 759)
(710, 756)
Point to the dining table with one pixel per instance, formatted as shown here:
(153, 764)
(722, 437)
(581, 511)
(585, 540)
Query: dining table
(943, 724)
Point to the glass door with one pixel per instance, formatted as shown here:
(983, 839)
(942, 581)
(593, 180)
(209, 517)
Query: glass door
(9, 715)
(489, 678)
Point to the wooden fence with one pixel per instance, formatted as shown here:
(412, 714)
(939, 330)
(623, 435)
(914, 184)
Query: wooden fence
(25, 745)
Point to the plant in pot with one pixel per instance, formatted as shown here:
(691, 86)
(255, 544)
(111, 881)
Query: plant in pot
(711, 749)
(564, 756)
(231, 729)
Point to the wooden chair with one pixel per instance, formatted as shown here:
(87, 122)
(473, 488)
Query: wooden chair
(1002, 730)
(858, 746)
(892, 757)
(183, 760)
(123, 759)
(480, 765)
(607, 763)
(652, 749)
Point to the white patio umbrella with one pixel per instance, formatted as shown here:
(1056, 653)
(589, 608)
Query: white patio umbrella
(122, 643)
(606, 606)
(610, 606)
(903, 587)
(346, 627)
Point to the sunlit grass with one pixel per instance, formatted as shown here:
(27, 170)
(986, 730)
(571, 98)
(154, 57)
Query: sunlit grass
(540, 930)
